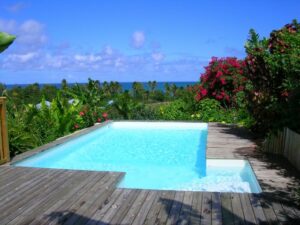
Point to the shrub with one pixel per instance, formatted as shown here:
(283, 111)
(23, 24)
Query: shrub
(175, 110)
(222, 80)
(273, 90)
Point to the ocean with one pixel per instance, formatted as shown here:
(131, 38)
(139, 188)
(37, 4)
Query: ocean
(125, 85)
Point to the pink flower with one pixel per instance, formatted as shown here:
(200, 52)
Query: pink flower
(105, 115)
(223, 81)
(81, 113)
(99, 120)
(198, 97)
(219, 73)
(213, 59)
(284, 94)
(219, 97)
(203, 92)
(76, 126)
(227, 98)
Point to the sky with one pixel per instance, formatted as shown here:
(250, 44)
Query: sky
(129, 40)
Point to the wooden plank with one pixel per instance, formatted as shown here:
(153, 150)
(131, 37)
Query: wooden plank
(186, 208)
(65, 190)
(102, 210)
(4, 169)
(206, 211)
(268, 210)
(46, 190)
(237, 210)
(216, 209)
(142, 214)
(4, 135)
(247, 208)
(175, 209)
(227, 214)
(82, 207)
(17, 185)
(106, 188)
(46, 200)
(162, 196)
(124, 208)
(52, 215)
(79, 206)
(195, 216)
(110, 213)
(12, 176)
(15, 173)
(164, 211)
(32, 190)
(257, 209)
(135, 208)
(279, 211)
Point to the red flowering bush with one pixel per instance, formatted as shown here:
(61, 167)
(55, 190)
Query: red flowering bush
(222, 80)
(86, 118)
(273, 67)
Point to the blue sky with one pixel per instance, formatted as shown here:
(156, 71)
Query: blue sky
(129, 40)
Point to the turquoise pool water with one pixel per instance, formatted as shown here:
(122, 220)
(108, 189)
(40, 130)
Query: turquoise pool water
(154, 155)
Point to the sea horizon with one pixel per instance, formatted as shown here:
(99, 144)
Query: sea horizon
(125, 85)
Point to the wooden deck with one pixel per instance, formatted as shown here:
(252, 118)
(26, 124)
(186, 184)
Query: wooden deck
(274, 174)
(47, 196)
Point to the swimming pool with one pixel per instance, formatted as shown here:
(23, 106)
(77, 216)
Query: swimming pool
(154, 155)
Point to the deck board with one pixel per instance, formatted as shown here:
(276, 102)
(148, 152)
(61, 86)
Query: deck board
(77, 197)
(35, 196)
(237, 210)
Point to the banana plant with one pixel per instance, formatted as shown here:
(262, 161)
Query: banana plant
(126, 105)
(6, 40)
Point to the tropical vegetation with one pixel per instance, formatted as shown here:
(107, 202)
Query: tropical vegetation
(261, 92)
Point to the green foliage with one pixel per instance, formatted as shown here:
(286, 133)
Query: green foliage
(20, 138)
(175, 110)
(38, 115)
(274, 79)
(138, 91)
(126, 106)
(143, 112)
(209, 110)
(5, 41)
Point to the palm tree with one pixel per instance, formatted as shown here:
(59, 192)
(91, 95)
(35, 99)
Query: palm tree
(115, 88)
(138, 90)
(152, 85)
(167, 90)
(174, 90)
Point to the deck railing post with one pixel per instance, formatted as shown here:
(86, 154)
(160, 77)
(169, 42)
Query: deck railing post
(4, 135)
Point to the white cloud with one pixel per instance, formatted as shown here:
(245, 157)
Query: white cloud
(89, 58)
(138, 39)
(30, 34)
(31, 51)
(157, 56)
(9, 26)
(108, 50)
(119, 63)
(22, 58)
(14, 8)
